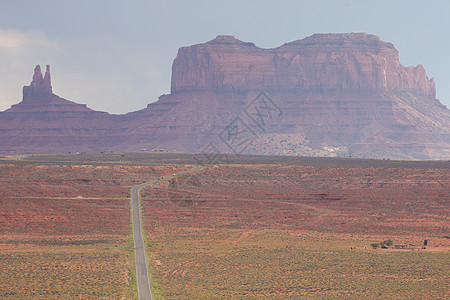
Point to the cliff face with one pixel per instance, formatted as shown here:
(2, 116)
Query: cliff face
(322, 62)
(46, 123)
(336, 95)
(341, 94)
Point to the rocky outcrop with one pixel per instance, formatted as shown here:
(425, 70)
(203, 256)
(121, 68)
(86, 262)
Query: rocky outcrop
(46, 123)
(40, 88)
(337, 95)
(323, 62)
(341, 94)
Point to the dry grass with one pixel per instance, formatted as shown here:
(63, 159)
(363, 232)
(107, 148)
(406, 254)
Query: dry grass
(65, 230)
(281, 264)
(64, 267)
(286, 231)
(232, 231)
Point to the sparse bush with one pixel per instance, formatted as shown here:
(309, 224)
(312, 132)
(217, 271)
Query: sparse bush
(375, 245)
(387, 243)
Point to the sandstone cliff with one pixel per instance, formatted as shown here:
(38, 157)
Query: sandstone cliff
(46, 123)
(322, 62)
(342, 94)
(336, 95)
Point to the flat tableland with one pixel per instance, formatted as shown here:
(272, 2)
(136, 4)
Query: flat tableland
(253, 227)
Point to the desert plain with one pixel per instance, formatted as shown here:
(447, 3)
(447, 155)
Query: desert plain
(246, 227)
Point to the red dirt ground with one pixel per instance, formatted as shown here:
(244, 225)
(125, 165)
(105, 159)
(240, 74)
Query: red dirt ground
(292, 231)
(65, 229)
(401, 202)
(70, 199)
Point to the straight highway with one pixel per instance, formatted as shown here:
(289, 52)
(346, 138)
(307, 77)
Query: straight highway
(142, 276)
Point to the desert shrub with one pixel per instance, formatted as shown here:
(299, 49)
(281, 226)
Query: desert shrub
(386, 243)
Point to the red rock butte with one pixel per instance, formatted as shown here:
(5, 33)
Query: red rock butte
(339, 94)
(322, 62)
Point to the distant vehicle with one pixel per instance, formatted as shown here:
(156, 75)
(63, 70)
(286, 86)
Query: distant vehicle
(173, 174)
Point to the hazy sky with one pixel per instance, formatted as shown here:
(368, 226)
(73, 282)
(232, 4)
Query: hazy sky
(116, 56)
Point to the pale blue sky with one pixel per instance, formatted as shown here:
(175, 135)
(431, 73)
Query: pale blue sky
(116, 56)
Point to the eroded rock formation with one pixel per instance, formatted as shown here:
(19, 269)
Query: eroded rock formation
(46, 123)
(40, 88)
(339, 94)
(322, 62)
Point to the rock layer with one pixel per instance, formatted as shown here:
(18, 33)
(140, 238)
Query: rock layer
(46, 123)
(339, 95)
(322, 62)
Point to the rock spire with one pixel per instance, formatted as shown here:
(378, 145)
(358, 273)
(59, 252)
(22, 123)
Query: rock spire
(40, 87)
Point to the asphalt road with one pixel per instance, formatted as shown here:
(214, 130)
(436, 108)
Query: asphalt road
(142, 277)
